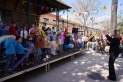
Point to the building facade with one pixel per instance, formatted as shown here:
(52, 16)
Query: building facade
(49, 20)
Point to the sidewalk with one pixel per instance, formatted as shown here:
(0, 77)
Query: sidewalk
(86, 68)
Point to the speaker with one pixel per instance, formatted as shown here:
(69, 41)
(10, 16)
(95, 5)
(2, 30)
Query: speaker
(75, 30)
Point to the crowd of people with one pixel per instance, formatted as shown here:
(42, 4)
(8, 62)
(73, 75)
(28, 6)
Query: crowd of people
(47, 43)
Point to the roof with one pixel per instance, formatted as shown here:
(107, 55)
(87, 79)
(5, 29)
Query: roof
(36, 7)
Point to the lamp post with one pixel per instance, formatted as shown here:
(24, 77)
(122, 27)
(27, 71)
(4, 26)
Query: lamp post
(67, 18)
(92, 19)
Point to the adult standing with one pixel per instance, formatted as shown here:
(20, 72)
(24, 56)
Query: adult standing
(33, 32)
(24, 34)
(114, 43)
(32, 28)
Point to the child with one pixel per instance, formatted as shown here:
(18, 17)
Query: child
(19, 50)
(70, 45)
(53, 47)
(107, 49)
(48, 47)
(75, 42)
(10, 45)
(44, 45)
(60, 45)
(31, 55)
(39, 47)
(102, 46)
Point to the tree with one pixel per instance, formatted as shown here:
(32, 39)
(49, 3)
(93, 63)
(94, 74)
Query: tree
(113, 25)
(87, 6)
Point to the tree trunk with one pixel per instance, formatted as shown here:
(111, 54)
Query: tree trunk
(113, 25)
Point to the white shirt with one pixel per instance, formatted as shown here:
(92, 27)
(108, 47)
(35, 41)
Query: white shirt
(84, 38)
(80, 40)
(25, 34)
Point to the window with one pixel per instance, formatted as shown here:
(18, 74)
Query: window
(46, 20)
(54, 21)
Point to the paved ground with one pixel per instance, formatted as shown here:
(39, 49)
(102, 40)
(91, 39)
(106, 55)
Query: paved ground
(85, 68)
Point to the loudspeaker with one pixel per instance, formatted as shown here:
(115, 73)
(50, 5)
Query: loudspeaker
(75, 30)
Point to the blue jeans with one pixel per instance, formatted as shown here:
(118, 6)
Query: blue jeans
(9, 61)
(82, 44)
(79, 45)
(85, 44)
(24, 42)
(48, 51)
(38, 55)
(34, 40)
(44, 53)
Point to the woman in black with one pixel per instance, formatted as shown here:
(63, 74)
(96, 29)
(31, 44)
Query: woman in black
(114, 52)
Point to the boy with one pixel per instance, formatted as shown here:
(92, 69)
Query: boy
(39, 47)
(31, 55)
(19, 50)
(10, 46)
(44, 44)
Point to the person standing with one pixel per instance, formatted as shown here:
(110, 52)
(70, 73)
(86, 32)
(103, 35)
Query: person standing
(24, 34)
(39, 48)
(20, 51)
(12, 29)
(114, 43)
(10, 52)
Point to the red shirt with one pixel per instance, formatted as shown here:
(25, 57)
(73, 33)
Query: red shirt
(12, 30)
(38, 42)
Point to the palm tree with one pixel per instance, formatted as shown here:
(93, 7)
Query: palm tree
(113, 25)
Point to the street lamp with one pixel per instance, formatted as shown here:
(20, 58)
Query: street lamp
(92, 19)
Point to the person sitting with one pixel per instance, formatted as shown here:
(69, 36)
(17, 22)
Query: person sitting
(76, 42)
(70, 45)
(107, 49)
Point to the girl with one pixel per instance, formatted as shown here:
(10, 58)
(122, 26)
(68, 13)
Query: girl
(53, 47)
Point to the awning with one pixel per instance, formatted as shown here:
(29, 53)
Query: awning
(34, 7)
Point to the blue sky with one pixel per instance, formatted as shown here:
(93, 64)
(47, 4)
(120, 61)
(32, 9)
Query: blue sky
(105, 14)
(105, 2)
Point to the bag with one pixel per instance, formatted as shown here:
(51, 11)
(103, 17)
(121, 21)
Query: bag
(71, 45)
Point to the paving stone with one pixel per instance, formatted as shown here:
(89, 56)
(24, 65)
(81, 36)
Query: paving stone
(88, 67)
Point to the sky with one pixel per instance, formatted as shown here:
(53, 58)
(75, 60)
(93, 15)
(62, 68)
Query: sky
(105, 14)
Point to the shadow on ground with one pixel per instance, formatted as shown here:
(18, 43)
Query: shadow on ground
(95, 76)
